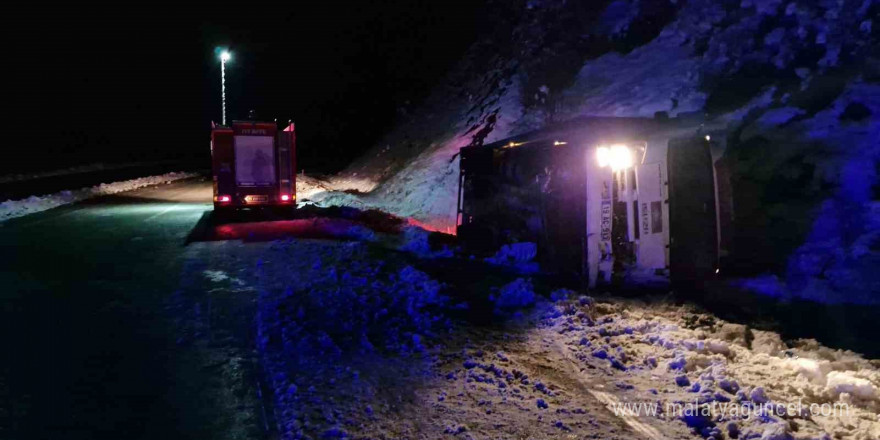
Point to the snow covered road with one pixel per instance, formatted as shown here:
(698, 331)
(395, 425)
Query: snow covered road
(360, 342)
(136, 315)
(92, 301)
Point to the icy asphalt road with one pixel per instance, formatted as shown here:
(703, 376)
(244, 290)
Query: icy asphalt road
(90, 326)
(112, 326)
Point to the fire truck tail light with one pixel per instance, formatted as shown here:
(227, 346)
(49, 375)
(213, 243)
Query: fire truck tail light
(223, 199)
(285, 197)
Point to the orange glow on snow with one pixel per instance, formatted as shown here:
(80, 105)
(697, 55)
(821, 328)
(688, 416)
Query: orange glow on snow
(445, 229)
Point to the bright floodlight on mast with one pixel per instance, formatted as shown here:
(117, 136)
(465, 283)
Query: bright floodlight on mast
(224, 57)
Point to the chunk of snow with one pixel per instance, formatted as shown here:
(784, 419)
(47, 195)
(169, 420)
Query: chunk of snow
(718, 347)
(416, 241)
(732, 430)
(516, 294)
(216, 275)
(518, 255)
(758, 396)
(677, 364)
(729, 385)
(767, 342)
(682, 381)
(616, 364)
(813, 370)
(776, 431)
(846, 382)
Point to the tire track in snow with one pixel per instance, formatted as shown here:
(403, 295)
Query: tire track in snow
(607, 399)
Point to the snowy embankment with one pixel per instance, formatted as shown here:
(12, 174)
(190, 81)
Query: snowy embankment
(742, 383)
(360, 341)
(16, 208)
(794, 83)
(788, 56)
(745, 65)
(81, 169)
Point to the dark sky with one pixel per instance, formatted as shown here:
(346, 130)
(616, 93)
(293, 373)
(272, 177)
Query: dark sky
(141, 82)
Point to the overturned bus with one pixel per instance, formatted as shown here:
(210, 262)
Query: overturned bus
(605, 199)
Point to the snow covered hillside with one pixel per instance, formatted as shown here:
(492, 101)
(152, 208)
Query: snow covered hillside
(795, 83)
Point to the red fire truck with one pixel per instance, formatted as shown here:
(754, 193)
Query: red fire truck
(254, 165)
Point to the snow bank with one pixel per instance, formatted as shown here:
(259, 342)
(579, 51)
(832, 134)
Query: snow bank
(337, 326)
(355, 342)
(75, 170)
(309, 186)
(749, 380)
(832, 259)
(514, 253)
(416, 242)
(16, 208)
(514, 295)
(518, 256)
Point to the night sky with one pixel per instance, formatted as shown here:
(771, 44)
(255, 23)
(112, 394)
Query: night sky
(126, 83)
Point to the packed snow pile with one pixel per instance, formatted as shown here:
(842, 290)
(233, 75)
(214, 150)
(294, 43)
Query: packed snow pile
(308, 186)
(340, 329)
(743, 383)
(355, 342)
(16, 208)
(514, 295)
(794, 83)
(517, 255)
